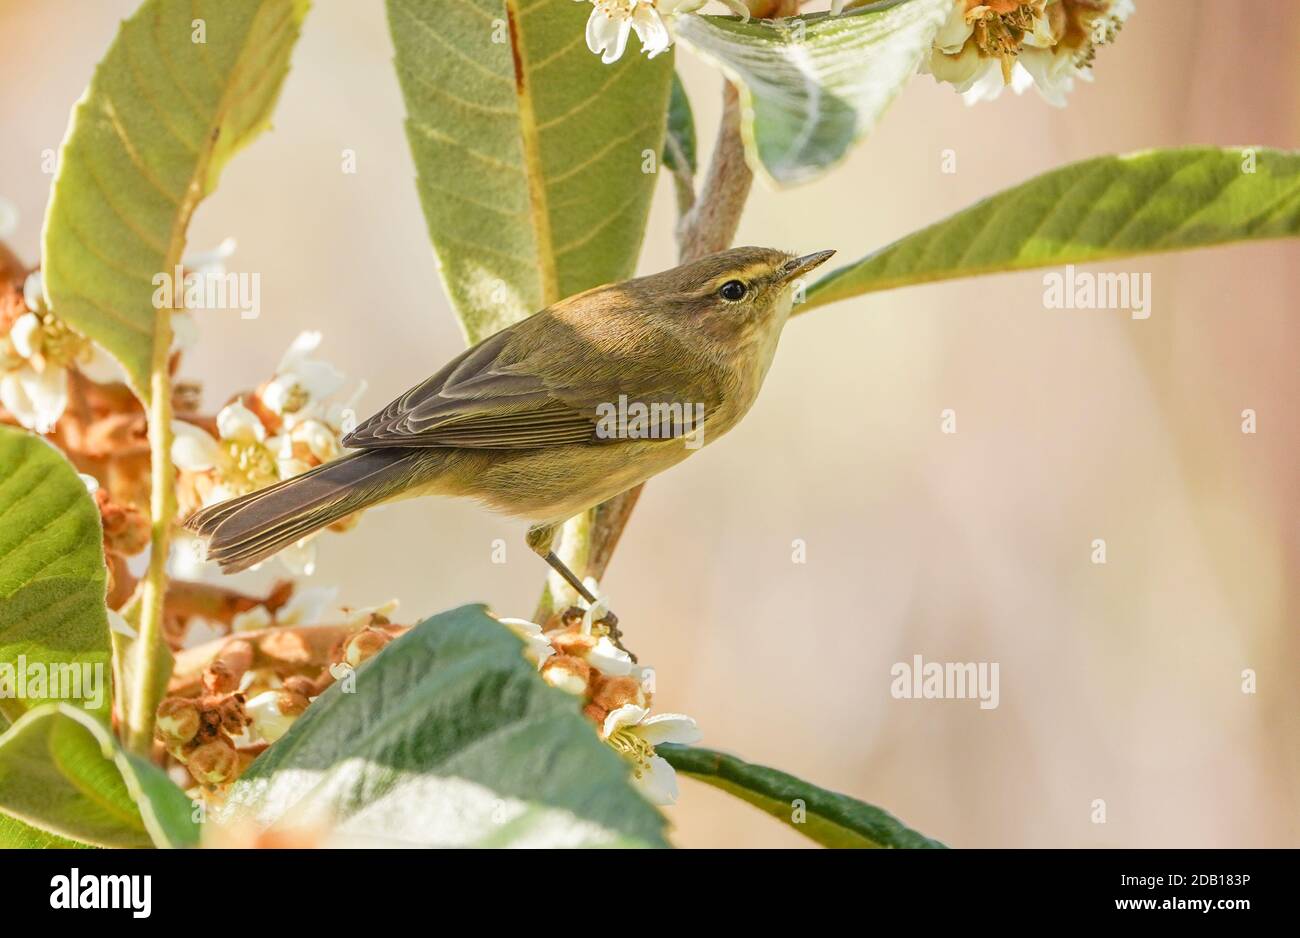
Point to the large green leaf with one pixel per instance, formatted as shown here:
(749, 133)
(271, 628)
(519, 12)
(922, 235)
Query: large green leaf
(529, 150)
(812, 86)
(15, 835)
(450, 739)
(146, 143)
(53, 623)
(831, 819)
(1111, 206)
(63, 772)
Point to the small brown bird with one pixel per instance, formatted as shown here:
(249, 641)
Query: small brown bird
(552, 415)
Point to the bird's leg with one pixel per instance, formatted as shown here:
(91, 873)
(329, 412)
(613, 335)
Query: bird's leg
(540, 537)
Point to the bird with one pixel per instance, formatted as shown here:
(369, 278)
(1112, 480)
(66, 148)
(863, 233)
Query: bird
(551, 415)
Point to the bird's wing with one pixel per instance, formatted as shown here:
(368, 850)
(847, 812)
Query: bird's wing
(518, 389)
(480, 399)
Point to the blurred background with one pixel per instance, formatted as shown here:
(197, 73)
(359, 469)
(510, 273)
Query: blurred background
(1120, 682)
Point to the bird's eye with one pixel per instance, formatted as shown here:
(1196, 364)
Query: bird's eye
(732, 290)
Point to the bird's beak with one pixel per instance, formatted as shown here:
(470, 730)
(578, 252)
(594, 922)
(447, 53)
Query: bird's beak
(802, 265)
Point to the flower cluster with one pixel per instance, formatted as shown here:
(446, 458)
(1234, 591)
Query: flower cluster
(290, 424)
(582, 658)
(255, 688)
(986, 45)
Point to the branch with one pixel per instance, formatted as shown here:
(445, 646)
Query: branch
(711, 224)
(148, 678)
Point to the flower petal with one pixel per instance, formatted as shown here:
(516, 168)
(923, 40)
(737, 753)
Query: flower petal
(626, 715)
(193, 449)
(298, 350)
(669, 728)
(609, 658)
(651, 30)
(657, 781)
(37, 399)
(26, 335)
(269, 723)
(237, 422)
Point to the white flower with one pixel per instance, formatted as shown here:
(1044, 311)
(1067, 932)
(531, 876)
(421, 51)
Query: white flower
(34, 355)
(612, 21)
(608, 658)
(983, 47)
(37, 399)
(301, 381)
(990, 84)
(25, 334)
(236, 422)
(269, 723)
(633, 733)
(193, 448)
(537, 647)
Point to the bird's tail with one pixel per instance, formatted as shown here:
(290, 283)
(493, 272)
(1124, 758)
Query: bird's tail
(244, 530)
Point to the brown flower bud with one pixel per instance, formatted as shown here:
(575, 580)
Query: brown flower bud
(232, 716)
(300, 684)
(364, 645)
(595, 713)
(291, 703)
(613, 692)
(177, 721)
(214, 763)
(571, 642)
(568, 673)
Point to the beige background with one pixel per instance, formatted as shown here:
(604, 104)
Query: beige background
(1119, 682)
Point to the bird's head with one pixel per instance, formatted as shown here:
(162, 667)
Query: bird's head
(733, 294)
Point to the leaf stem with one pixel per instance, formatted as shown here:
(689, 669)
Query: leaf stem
(148, 674)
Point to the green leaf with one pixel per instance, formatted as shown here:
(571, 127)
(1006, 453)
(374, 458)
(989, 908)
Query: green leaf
(813, 86)
(53, 622)
(63, 772)
(15, 835)
(831, 819)
(1111, 206)
(528, 149)
(450, 739)
(146, 144)
(679, 143)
